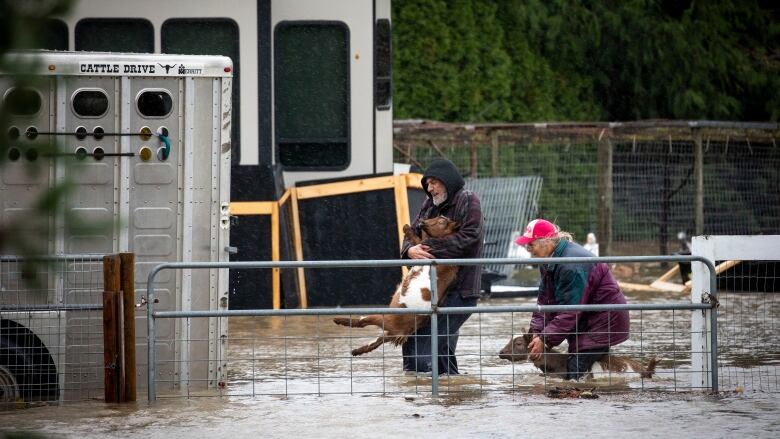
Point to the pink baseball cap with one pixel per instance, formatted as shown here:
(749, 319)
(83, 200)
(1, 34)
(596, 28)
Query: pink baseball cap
(537, 229)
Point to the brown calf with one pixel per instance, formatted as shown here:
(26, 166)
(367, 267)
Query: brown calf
(413, 291)
(554, 363)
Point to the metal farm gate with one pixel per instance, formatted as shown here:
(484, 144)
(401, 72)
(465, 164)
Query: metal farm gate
(301, 351)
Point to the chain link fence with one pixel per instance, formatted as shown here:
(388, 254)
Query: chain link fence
(636, 185)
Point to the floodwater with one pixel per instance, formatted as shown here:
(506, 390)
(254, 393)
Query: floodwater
(294, 376)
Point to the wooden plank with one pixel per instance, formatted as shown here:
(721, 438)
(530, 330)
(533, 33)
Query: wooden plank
(637, 287)
(662, 283)
(284, 198)
(127, 281)
(414, 181)
(276, 284)
(345, 187)
(670, 274)
(720, 268)
(401, 207)
(401, 213)
(252, 207)
(668, 286)
(303, 298)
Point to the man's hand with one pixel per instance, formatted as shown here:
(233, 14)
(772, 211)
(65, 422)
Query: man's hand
(535, 348)
(419, 251)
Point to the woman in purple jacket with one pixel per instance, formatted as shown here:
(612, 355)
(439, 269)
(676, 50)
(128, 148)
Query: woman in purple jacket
(589, 334)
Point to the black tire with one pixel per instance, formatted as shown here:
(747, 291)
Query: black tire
(23, 355)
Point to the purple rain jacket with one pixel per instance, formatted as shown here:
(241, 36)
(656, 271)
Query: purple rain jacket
(571, 284)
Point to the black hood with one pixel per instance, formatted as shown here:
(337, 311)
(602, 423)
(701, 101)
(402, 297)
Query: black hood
(445, 171)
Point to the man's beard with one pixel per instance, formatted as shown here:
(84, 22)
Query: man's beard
(439, 199)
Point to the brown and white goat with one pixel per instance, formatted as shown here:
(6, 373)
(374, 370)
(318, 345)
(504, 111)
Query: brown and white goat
(413, 292)
(552, 362)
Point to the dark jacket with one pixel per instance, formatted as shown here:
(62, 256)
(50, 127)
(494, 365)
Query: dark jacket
(462, 206)
(573, 284)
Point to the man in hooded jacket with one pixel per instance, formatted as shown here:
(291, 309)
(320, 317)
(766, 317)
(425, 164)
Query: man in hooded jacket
(446, 196)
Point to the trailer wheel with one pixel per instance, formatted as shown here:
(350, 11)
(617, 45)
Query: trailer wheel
(25, 361)
(9, 390)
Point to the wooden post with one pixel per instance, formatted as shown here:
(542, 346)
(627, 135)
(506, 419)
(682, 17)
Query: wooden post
(111, 364)
(494, 154)
(698, 171)
(666, 204)
(473, 171)
(605, 196)
(128, 312)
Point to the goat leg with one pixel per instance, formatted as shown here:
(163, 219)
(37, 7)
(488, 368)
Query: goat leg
(650, 369)
(371, 346)
(373, 319)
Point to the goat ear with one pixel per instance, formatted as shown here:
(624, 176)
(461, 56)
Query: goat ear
(527, 336)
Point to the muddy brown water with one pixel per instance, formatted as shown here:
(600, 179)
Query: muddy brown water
(294, 376)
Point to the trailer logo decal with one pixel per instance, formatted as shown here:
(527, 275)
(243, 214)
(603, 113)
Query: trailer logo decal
(139, 69)
(189, 71)
(98, 68)
(167, 67)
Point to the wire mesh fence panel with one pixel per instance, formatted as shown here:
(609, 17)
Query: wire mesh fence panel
(283, 355)
(51, 327)
(749, 318)
(286, 355)
(636, 182)
(508, 203)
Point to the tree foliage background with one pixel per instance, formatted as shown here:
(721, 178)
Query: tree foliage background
(533, 60)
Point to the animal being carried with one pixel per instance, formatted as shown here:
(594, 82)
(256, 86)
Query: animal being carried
(413, 291)
(554, 363)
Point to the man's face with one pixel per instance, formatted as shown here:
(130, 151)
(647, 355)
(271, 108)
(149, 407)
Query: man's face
(437, 190)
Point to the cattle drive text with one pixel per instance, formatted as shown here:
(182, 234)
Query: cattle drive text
(117, 68)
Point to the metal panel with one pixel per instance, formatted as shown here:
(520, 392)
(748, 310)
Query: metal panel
(24, 180)
(507, 205)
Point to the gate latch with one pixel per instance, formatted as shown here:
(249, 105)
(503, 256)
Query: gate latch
(709, 298)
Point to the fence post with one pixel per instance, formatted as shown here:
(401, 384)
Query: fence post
(698, 166)
(111, 319)
(473, 159)
(128, 312)
(605, 196)
(702, 363)
(494, 154)
(434, 335)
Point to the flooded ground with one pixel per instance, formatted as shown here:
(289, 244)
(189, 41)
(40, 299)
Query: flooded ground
(294, 376)
(484, 416)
